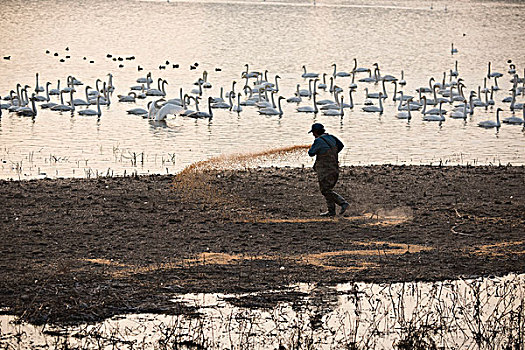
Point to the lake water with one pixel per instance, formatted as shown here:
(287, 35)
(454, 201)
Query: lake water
(463, 314)
(281, 37)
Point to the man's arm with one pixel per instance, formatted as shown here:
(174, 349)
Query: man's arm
(315, 147)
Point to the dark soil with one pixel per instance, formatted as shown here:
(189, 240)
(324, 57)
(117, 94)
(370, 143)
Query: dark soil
(78, 250)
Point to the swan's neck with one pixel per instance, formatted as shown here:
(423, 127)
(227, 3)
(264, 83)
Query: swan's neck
(71, 100)
(395, 92)
(33, 105)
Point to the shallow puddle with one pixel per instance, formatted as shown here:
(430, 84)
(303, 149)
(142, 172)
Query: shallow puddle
(461, 314)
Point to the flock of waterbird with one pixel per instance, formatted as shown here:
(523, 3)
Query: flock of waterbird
(436, 102)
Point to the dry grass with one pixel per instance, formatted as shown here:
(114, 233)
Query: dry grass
(322, 260)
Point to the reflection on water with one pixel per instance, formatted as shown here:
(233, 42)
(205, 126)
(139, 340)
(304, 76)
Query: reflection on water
(464, 314)
(222, 36)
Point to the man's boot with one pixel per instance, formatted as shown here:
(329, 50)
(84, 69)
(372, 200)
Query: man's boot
(330, 212)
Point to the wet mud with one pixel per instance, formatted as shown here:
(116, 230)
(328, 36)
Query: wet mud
(81, 250)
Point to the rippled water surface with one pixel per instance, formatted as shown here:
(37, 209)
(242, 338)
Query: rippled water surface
(464, 314)
(413, 36)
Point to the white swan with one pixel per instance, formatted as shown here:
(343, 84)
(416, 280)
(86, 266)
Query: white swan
(460, 113)
(377, 95)
(47, 104)
(130, 97)
(75, 81)
(166, 110)
(309, 109)
(295, 99)
(98, 112)
(111, 88)
(335, 112)
(407, 114)
(161, 89)
(424, 89)
(223, 105)
(271, 110)
(264, 103)
(206, 84)
(493, 74)
(38, 88)
(247, 74)
(104, 98)
(201, 114)
(137, 111)
(62, 107)
(369, 79)
(95, 93)
(373, 109)
(323, 85)
(491, 123)
(402, 82)
(80, 102)
(339, 74)
(306, 93)
(145, 80)
(153, 108)
(185, 104)
(237, 108)
(409, 105)
(46, 98)
(403, 96)
(69, 86)
(435, 117)
(251, 100)
(197, 91)
(352, 85)
(28, 111)
(309, 75)
(515, 120)
(359, 69)
(495, 87)
(55, 92)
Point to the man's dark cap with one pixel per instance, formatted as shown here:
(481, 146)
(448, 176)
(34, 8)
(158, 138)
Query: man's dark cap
(316, 127)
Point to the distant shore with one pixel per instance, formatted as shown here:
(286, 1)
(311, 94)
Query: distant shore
(78, 250)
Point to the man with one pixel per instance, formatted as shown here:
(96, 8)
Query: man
(326, 148)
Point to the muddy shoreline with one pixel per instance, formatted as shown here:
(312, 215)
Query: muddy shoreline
(79, 250)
